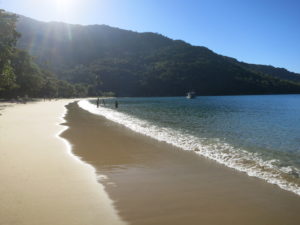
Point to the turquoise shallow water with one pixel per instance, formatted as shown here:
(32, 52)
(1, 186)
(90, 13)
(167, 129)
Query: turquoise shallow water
(259, 135)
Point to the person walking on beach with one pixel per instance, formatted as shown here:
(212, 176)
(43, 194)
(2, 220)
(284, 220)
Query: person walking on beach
(116, 104)
(98, 102)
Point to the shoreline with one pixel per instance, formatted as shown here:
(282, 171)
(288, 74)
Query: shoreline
(42, 181)
(255, 166)
(154, 183)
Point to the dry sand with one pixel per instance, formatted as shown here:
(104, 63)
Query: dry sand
(42, 183)
(153, 183)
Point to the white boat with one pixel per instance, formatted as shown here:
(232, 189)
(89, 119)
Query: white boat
(191, 95)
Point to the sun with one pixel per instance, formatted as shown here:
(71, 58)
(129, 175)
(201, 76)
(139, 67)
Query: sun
(63, 4)
(66, 9)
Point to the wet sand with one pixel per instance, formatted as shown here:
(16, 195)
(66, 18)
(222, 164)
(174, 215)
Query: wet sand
(42, 183)
(153, 183)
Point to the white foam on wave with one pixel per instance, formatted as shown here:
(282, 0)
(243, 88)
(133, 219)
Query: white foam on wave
(239, 159)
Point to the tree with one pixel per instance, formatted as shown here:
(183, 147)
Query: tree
(29, 77)
(81, 90)
(65, 89)
(49, 89)
(8, 39)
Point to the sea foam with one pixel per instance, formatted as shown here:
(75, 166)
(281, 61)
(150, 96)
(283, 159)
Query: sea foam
(224, 153)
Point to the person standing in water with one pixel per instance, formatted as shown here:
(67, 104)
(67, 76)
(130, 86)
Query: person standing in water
(98, 102)
(116, 104)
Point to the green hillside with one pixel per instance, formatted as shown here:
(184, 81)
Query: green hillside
(143, 64)
(20, 76)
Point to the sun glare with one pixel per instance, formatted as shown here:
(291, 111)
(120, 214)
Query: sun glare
(63, 4)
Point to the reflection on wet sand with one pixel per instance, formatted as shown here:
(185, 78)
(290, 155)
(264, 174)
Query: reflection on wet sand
(155, 183)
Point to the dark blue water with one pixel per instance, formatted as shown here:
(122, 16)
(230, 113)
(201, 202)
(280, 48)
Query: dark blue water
(259, 135)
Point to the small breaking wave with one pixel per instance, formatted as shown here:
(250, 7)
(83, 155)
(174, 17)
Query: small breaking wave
(286, 177)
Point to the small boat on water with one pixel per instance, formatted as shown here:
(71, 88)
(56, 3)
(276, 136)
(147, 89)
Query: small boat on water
(191, 95)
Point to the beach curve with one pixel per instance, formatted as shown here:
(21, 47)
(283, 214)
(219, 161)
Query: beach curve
(42, 181)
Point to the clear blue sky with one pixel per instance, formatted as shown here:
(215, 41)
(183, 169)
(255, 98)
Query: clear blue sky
(254, 31)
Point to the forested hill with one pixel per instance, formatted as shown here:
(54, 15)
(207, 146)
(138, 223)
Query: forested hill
(60, 45)
(20, 77)
(144, 64)
(280, 73)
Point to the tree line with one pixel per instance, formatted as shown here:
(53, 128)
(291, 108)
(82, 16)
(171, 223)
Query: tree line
(20, 76)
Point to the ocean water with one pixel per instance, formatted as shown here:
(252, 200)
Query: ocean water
(258, 135)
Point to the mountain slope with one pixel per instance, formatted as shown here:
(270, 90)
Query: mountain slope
(144, 64)
(60, 43)
(280, 73)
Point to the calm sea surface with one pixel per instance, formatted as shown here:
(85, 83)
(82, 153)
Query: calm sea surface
(259, 135)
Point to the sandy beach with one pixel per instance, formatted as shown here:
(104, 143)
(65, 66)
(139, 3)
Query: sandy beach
(141, 181)
(123, 112)
(42, 182)
(154, 183)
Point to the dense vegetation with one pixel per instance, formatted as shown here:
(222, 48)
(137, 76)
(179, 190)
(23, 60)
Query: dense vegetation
(20, 76)
(144, 64)
(97, 59)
